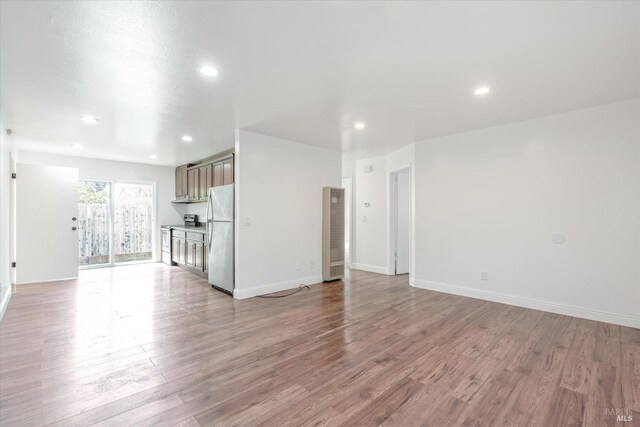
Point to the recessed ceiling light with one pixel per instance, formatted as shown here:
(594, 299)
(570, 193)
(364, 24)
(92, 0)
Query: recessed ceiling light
(76, 146)
(482, 90)
(89, 120)
(187, 138)
(208, 70)
(359, 125)
(154, 156)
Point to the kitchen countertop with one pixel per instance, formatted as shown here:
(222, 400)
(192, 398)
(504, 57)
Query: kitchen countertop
(200, 229)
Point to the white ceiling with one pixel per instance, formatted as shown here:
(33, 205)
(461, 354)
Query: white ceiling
(301, 70)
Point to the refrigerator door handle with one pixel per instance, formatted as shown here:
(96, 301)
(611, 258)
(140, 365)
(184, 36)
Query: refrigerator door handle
(206, 220)
(209, 223)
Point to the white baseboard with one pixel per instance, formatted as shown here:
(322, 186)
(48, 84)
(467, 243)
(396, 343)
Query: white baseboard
(275, 287)
(370, 268)
(4, 301)
(584, 313)
(64, 279)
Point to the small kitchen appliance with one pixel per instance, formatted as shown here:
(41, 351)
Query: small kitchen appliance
(190, 220)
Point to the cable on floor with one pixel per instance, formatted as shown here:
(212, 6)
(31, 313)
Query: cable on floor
(287, 295)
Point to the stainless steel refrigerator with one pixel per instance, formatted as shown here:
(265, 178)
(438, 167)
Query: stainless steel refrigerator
(220, 237)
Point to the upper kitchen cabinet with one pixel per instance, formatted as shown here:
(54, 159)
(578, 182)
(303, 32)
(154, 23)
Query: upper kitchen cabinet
(217, 174)
(227, 171)
(205, 180)
(222, 172)
(193, 184)
(193, 180)
(181, 181)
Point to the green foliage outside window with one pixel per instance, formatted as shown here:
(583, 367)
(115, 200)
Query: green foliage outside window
(92, 193)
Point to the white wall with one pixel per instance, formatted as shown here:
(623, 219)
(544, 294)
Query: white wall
(6, 147)
(279, 187)
(199, 209)
(370, 223)
(490, 200)
(162, 176)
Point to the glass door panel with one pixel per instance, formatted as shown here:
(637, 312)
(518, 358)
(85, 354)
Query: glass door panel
(132, 222)
(94, 224)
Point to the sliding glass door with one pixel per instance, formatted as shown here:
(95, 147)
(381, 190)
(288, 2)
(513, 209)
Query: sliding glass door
(115, 223)
(132, 222)
(94, 223)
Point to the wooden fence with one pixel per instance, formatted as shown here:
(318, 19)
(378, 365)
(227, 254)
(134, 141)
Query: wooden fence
(132, 233)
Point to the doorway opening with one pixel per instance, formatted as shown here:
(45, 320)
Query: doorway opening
(115, 223)
(400, 221)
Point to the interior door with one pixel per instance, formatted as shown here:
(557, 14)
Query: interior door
(46, 223)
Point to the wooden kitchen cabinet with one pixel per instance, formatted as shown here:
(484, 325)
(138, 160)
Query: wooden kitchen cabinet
(189, 250)
(199, 256)
(194, 180)
(193, 183)
(205, 180)
(181, 181)
(227, 171)
(217, 174)
(205, 257)
(195, 255)
(178, 250)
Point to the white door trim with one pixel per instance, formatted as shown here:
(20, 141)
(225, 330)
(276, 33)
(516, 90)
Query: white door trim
(393, 219)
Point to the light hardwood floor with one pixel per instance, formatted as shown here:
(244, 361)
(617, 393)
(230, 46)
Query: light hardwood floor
(155, 345)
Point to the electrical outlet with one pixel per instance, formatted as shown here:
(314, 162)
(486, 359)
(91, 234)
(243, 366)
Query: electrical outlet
(364, 219)
(312, 265)
(484, 275)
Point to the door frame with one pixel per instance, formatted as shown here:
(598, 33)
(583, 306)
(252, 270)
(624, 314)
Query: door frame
(154, 215)
(12, 220)
(393, 219)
